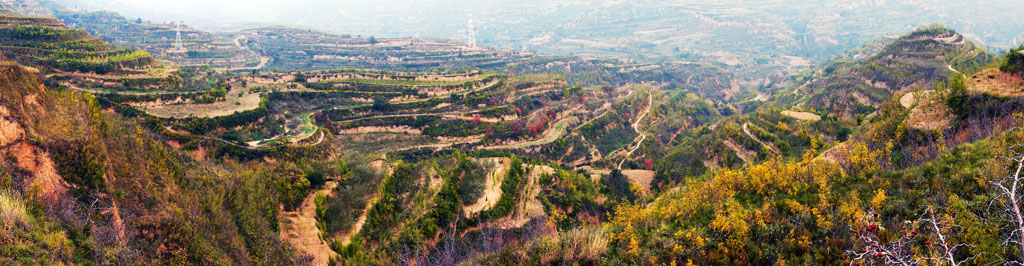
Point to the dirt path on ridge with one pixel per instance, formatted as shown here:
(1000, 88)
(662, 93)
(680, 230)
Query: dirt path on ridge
(300, 230)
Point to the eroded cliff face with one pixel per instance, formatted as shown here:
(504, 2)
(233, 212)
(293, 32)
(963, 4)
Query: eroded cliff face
(116, 193)
(31, 119)
(41, 179)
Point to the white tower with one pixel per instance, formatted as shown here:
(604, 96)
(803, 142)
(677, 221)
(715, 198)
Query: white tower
(178, 46)
(472, 33)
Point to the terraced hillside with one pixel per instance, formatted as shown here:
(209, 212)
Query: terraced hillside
(707, 80)
(292, 49)
(411, 115)
(286, 48)
(24, 7)
(283, 48)
(47, 42)
(366, 151)
(478, 110)
(200, 47)
(76, 59)
(919, 60)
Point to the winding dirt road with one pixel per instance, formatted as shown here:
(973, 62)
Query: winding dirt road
(636, 127)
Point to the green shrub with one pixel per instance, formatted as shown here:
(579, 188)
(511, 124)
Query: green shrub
(293, 190)
(1013, 62)
(316, 178)
(349, 199)
(474, 180)
(617, 185)
(956, 97)
(79, 164)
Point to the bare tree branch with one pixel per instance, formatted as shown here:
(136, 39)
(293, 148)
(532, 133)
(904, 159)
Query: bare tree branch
(942, 226)
(875, 250)
(1010, 196)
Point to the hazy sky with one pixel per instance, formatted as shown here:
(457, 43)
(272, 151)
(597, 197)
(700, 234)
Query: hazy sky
(498, 20)
(220, 13)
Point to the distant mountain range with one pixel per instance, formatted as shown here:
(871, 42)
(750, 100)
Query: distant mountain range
(812, 30)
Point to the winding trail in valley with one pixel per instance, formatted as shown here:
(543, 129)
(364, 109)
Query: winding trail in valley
(606, 107)
(954, 70)
(169, 128)
(743, 153)
(751, 135)
(263, 60)
(636, 127)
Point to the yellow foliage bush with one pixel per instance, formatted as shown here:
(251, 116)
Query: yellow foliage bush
(731, 220)
(879, 199)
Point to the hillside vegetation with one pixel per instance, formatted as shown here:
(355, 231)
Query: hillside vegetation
(918, 60)
(121, 195)
(366, 151)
